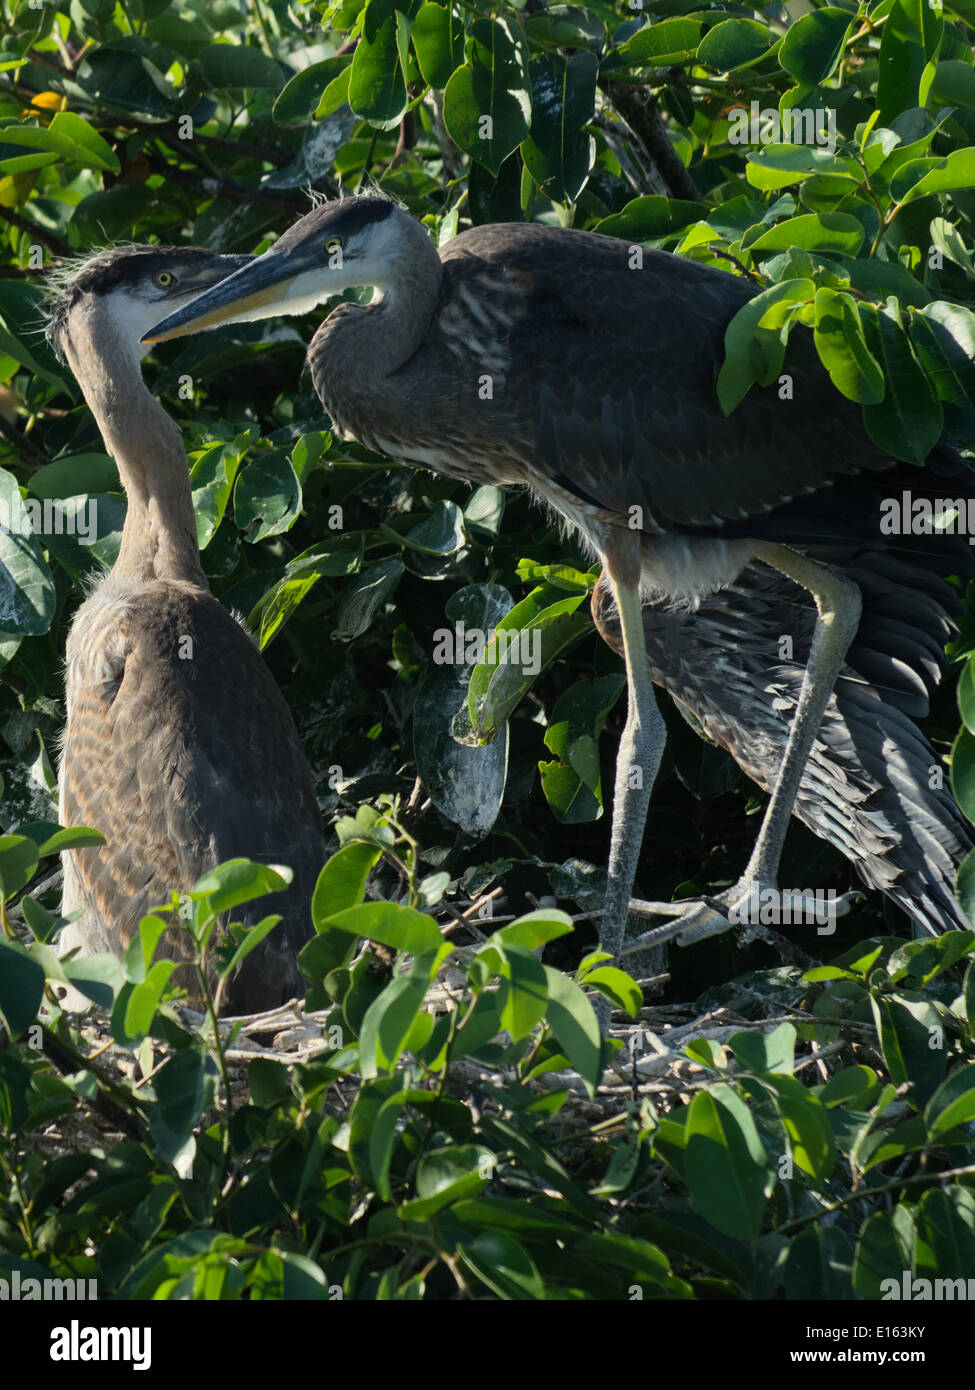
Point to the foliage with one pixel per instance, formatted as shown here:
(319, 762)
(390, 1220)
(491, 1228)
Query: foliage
(361, 1169)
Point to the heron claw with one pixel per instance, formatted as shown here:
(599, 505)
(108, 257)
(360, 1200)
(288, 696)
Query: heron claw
(745, 905)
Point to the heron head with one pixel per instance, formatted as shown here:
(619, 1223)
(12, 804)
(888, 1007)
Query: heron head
(357, 241)
(121, 292)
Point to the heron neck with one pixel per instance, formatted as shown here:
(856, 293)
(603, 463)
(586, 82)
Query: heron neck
(159, 536)
(359, 348)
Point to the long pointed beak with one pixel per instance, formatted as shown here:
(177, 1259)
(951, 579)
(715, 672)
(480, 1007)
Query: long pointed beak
(254, 292)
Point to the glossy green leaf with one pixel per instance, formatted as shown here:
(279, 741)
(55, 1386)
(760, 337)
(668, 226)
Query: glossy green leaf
(239, 65)
(909, 42)
(842, 348)
(909, 421)
(438, 39)
(660, 45)
(559, 153)
(572, 1020)
(299, 98)
(725, 1164)
(377, 88)
(813, 45)
(734, 43)
(21, 984)
(831, 232)
(753, 354)
(486, 105)
(392, 924)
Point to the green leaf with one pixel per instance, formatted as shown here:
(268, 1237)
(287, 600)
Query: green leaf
(725, 1164)
(446, 1176)
(909, 42)
(559, 153)
(21, 986)
(184, 1088)
(402, 928)
(71, 138)
(843, 350)
(781, 165)
(753, 354)
(81, 144)
(526, 999)
(300, 97)
(953, 85)
(390, 1018)
(144, 999)
(342, 882)
(617, 986)
(943, 336)
(377, 88)
(660, 45)
(909, 422)
(18, 863)
(884, 1251)
(364, 596)
(74, 837)
(534, 929)
(963, 786)
(572, 1020)
(27, 595)
(118, 78)
(486, 105)
(920, 177)
(953, 1103)
(766, 1052)
(238, 65)
(830, 232)
(267, 493)
(21, 310)
(807, 1124)
(565, 26)
(438, 40)
(503, 1266)
(238, 881)
(813, 45)
(734, 43)
(905, 1027)
(534, 632)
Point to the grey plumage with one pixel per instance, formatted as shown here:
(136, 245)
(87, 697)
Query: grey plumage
(585, 368)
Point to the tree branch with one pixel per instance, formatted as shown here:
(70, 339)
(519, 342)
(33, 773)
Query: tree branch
(46, 238)
(643, 118)
(25, 448)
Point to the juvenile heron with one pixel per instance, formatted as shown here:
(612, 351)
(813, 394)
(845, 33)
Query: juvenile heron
(178, 745)
(585, 368)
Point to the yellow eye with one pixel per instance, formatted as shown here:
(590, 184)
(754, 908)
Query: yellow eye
(333, 244)
(165, 279)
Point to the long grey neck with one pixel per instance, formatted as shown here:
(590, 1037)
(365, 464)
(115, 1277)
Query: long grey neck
(357, 349)
(159, 537)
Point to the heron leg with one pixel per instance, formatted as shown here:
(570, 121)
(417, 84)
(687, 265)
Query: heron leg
(641, 748)
(838, 605)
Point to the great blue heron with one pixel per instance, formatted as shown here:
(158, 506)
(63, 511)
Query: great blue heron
(585, 368)
(178, 746)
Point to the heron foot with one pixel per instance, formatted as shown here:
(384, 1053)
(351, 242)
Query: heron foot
(750, 905)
